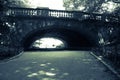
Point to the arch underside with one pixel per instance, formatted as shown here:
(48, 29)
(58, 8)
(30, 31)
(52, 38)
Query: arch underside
(73, 39)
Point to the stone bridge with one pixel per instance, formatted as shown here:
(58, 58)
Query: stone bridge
(78, 29)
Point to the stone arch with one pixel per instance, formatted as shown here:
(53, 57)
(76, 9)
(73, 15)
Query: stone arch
(75, 39)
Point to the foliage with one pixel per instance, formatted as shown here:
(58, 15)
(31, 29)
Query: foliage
(101, 6)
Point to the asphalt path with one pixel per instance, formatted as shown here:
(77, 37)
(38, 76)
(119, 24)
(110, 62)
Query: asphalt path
(55, 65)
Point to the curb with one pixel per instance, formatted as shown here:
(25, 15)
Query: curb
(12, 58)
(108, 66)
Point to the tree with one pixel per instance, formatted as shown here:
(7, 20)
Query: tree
(101, 6)
(13, 3)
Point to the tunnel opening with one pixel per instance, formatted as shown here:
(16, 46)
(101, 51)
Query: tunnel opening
(71, 40)
(48, 43)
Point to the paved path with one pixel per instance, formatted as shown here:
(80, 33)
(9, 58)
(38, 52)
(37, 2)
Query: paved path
(55, 65)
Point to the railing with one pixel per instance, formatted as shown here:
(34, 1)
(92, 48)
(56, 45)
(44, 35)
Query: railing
(60, 14)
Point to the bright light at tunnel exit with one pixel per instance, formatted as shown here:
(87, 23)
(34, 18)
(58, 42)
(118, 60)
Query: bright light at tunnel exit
(49, 43)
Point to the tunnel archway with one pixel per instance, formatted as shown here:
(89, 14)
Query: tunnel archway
(73, 39)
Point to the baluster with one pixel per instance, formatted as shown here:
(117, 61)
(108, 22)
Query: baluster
(23, 12)
(49, 13)
(37, 12)
(72, 15)
(40, 12)
(60, 13)
(69, 15)
(64, 15)
(54, 13)
(30, 11)
(33, 12)
(57, 13)
(27, 12)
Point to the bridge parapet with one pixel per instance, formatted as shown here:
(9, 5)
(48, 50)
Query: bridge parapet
(30, 12)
